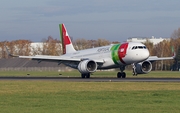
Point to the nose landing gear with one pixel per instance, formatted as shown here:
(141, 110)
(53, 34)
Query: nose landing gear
(134, 70)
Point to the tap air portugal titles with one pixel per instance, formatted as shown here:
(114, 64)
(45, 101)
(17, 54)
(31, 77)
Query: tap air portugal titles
(112, 56)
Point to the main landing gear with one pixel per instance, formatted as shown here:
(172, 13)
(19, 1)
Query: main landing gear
(86, 75)
(121, 74)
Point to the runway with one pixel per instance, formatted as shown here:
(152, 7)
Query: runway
(93, 79)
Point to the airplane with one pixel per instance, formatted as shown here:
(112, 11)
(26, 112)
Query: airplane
(106, 57)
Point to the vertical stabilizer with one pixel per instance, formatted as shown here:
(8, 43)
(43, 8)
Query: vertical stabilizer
(66, 41)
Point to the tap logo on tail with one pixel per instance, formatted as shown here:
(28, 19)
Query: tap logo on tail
(66, 41)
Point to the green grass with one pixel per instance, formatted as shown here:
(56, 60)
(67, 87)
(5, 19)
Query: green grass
(88, 97)
(76, 73)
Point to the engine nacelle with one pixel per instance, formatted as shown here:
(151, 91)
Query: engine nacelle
(143, 67)
(87, 66)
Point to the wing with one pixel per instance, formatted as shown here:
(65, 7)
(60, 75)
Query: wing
(49, 58)
(155, 58)
(62, 58)
(57, 58)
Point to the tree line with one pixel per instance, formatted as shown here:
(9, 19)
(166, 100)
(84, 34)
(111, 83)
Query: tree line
(52, 46)
(49, 46)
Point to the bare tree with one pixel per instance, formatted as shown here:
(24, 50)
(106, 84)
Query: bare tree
(150, 46)
(51, 46)
(22, 47)
(176, 33)
(115, 42)
(80, 44)
(2, 49)
(103, 42)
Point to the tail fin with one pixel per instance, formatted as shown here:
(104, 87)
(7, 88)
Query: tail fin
(66, 41)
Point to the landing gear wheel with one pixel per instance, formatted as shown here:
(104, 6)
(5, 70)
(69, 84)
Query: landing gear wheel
(134, 74)
(121, 75)
(87, 75)
(83, 75)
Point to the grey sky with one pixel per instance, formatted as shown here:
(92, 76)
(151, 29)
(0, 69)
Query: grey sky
(114, 20)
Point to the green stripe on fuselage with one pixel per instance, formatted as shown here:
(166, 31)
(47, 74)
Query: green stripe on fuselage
(114, 53)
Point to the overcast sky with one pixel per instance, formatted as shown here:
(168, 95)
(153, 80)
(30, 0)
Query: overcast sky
(114, 20)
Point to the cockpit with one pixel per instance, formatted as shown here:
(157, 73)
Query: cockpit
(139, 47)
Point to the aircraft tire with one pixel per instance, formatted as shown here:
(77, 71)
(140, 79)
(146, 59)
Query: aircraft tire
(83, 75)
(88, 75)
(123, 75)
(119, 75)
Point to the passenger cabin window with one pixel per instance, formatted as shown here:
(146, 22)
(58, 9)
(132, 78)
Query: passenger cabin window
(139, 47)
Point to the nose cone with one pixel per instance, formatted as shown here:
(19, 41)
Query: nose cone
(145, 54)
(141, 55)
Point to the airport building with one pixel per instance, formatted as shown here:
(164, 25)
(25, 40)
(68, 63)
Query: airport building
(152, 39)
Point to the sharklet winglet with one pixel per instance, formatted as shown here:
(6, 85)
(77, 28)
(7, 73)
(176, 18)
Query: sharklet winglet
(8, 53)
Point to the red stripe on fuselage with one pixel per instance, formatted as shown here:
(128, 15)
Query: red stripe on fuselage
(122, 52)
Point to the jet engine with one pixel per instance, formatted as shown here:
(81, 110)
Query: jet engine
(143, 67)
(87, 66)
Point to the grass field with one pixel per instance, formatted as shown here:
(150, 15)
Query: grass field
(89, 97)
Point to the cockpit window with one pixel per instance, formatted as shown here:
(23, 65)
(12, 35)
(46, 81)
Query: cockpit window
(138, 47)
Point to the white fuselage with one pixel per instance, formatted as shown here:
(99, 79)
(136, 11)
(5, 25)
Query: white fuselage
(113, 55)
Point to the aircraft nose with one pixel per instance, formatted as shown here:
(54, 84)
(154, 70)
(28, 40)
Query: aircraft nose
(145, 54)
